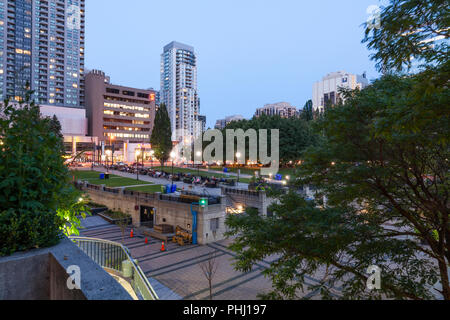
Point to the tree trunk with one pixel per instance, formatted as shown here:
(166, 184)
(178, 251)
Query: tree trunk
(210, 290)
(444, 279)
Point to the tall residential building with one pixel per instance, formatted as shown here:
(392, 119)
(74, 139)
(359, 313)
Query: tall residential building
(222, 123)
(282, 109)
(118, 113)
(202, 122)
(328, 89)
(179, 90)
(42, 44)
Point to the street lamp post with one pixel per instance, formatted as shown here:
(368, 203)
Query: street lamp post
(111, 139)
(172, 155)
(151, 158)
(238, 155)
(138, 152)
(108, 154)
(199, 154)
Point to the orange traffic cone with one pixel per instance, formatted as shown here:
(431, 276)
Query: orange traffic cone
(163, 248)
(131, 233)
(146, 241)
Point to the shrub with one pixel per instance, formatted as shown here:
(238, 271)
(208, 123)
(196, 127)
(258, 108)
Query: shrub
(38, 205)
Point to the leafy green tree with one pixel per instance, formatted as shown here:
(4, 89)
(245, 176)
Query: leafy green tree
(161, 138)
(295, 134)
(406, 28)
(382, 180)
(307, 113)
(38, 203)
(383, 170)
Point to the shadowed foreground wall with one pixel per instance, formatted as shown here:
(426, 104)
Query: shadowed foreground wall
(41, 275)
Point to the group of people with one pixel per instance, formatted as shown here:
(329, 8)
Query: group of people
(188, 178)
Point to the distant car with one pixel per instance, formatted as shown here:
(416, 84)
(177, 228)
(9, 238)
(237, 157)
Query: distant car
(138, 164)
(75, 165)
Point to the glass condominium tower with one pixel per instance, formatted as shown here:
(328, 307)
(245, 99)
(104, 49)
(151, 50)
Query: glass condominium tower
(42, 45)
(179, 90)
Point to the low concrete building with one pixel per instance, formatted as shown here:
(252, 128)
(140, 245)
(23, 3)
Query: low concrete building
(74, 127)
(73, 120)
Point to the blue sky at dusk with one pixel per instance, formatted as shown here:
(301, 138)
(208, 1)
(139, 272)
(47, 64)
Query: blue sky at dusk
(250, 52)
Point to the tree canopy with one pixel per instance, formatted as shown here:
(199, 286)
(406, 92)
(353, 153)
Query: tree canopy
(410, 30)
(381, 175)
(295, 134)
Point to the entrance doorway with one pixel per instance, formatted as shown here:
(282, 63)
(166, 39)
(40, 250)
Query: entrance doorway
(147, 215)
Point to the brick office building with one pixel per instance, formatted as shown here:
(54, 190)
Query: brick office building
(118, 115)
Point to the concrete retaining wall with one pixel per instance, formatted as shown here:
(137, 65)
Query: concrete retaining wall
(41, 275)
(247, 199)
(166, 212)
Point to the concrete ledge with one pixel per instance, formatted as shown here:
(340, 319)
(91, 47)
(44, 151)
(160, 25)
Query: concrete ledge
(41, 275)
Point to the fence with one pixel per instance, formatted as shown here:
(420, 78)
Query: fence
(111, 255)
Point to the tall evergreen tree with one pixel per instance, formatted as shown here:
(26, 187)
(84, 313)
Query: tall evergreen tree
(307, 113)
(161, 138)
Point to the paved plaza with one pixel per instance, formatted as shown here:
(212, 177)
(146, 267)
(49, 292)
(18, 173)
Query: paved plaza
(176, 273)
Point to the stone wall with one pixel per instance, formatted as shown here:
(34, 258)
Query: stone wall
(41, 275)
(247, 199)
(166, 212)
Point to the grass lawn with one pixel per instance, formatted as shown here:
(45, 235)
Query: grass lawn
(113, 182)
(192, 171)
(83, 175)
(147, 189)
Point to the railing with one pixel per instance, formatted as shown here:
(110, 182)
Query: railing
(188, 199)
(111, 255)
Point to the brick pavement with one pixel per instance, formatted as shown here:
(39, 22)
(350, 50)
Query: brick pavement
(176, 273)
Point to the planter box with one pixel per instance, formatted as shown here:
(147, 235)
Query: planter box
(163, 228)
(96, 211)
(112, 220)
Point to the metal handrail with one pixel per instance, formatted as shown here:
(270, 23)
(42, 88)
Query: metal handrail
(95, 248)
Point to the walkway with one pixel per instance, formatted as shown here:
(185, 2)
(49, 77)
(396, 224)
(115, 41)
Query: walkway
(176, 273)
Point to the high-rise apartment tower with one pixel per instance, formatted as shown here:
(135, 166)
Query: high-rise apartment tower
(42, 46)
(179, 90)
